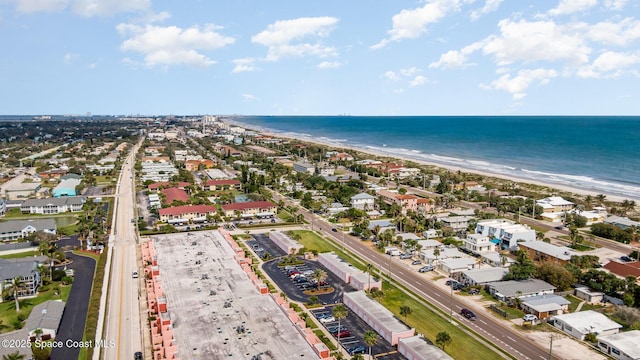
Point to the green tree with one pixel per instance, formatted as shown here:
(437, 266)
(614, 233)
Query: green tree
(368, 269)
(443, 339)
(319, 275)
(339, 312)
(522, 269)
(14, 288)
(405, 311)
(13, 356)
(370, 338)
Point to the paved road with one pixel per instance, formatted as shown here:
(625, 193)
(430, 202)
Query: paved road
(486, 325)
(75, 311)
(122, 323)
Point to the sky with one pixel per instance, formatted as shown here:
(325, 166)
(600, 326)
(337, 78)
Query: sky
(330, 57)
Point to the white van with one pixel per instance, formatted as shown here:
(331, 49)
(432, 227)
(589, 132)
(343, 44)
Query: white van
(134, 274)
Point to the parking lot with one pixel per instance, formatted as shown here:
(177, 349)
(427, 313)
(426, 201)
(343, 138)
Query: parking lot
(261, 245)
(294, 289)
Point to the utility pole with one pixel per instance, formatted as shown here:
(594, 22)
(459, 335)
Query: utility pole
(551, 347)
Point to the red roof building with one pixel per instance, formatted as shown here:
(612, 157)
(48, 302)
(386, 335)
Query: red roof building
(167, 184)
(221, 184)
(250, 208)
(624, 269)
(186, 212)
(173, 194)
(193, 165)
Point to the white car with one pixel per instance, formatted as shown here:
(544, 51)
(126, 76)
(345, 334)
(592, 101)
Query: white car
(530, 317)
(327, 319)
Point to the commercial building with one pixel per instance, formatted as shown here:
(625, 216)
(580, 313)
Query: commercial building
(52, 205)
(417, 348)
(305, 167)
(255, 208)
(348, 273)
(66, 187)
(579, 324)
(542, 251)
(17, 229)
(284, 242)
(621, 346)
(377, 316)
(21, 190)
(184, 214)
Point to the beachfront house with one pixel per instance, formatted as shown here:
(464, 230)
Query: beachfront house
(555, 204)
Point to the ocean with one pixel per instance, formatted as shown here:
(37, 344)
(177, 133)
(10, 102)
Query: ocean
(596, 154)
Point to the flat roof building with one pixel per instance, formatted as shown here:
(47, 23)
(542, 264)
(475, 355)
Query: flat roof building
(621, 346)
(377, 316)
(417, 348)
(579, 324)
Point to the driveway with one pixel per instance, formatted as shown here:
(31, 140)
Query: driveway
(75, 312)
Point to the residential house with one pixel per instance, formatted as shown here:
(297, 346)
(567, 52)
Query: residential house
(305, 167)
(175, 194)
(66, 187)
(45, 318)
(508, 290)
(453, 266)
(555, 204)
(254, 208)
(186, 213)
(24, 269)
(406, 202)
(624, 269)
(52, 205)
(581, 323)
(16, 337)
(542, 251)
(193, 165)
(3, 207)
(363, 201)
(621, 222)
(506, 232)
(481, 276)
(11, 230)
(478, 244)
(586, 294)
(341, 157)
(621, 346)
(544, 306)
(52, 174)
(221, 184)
(496, 259)
(457, 223)
(21, 190)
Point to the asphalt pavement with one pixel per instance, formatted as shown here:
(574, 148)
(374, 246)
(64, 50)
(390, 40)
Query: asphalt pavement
(75, 312)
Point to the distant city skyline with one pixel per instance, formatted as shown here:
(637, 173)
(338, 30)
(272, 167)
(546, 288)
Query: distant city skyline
(430, 57)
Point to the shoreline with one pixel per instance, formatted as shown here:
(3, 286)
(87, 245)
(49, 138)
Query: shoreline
(611, 197)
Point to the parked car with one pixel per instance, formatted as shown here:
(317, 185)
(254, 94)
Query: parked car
(358, 349)
(426, 268)
(457, 286)
(530, 317)
(474, 291)
(416, 262)
(322, 315)
(334, 230)
(468, 314)
(626, 258)
(405, 256)
(137, 355)
(334, 329)
(342, 333)
(327, 319)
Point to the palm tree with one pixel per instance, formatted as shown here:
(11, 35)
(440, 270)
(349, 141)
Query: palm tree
(13, 356)
(370, 338)
(405, 311)
(16, 285)
(319, 276)
(443, 339)
(436, 253)
(368, 269)
(339, 312)
(600, 198)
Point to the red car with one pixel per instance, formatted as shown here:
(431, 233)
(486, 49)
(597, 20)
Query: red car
(343, 333)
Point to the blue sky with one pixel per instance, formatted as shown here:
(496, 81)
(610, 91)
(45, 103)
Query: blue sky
(431, 57)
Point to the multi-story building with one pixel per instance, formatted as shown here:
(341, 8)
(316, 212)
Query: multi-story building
(11, 230)
(407, 202)
(509, 233)
(53, 205)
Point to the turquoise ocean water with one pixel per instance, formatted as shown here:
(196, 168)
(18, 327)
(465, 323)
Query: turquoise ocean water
(599, 154)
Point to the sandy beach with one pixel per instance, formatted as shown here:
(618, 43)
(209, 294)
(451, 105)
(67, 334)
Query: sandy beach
(379, 154)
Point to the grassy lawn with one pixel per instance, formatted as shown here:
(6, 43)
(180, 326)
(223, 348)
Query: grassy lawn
(284, 215)
(576, 301)
(426, 320)
(21, 255)
(9, 316)
(105, 180)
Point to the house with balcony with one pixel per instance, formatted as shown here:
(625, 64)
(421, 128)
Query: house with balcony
(186, 214)
(24, 269)
(250, 209)
(478, 244)
(363, 201)
(457, 223)
(12, 230)
(506, 233)
(407, 202)
(555, 204)
(542, 251)
(52, 205)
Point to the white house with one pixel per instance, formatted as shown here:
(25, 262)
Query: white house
(478, 243)
(555, 204)
(363, 201)
(46, 317)
(579, 324)
(621, 346)
(509, 233)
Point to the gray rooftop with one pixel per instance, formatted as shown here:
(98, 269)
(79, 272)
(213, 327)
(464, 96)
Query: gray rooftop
(25, 186)
(21, 334)
(588, 321)
(20, 267)
(626, 342)
(10, 226)
(45, 316)
(424, 349)
(68, 184)
(377, 311)
(510, 288)
(208, 301)
(68, 200)
(542, 303)
(362, 196)
(485, 275)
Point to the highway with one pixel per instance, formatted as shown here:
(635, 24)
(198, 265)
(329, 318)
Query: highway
(486, 325)
(122, 322)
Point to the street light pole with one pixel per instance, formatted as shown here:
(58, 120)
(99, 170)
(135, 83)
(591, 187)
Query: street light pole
(551, 347)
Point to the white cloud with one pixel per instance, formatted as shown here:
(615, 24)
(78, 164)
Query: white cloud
(248, 97)
(609, 65)
(566, 7)
(615, 4)
(410, 24)
(281, 38)
(29, 6)
(391, 76)
(244, 65)
(172, 45)
(525, 41)
(329, 65)
(90, 8)
(418, 80)
(68, 57)
(455, 58)
(489, 7)
(517, 85)
(618, 33)
(410, 71)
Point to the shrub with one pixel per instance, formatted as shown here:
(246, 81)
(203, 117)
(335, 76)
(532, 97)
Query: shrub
(58, 275)
(66, 280)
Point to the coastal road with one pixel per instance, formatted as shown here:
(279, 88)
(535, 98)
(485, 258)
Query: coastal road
(494, 331)
(122, 323)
